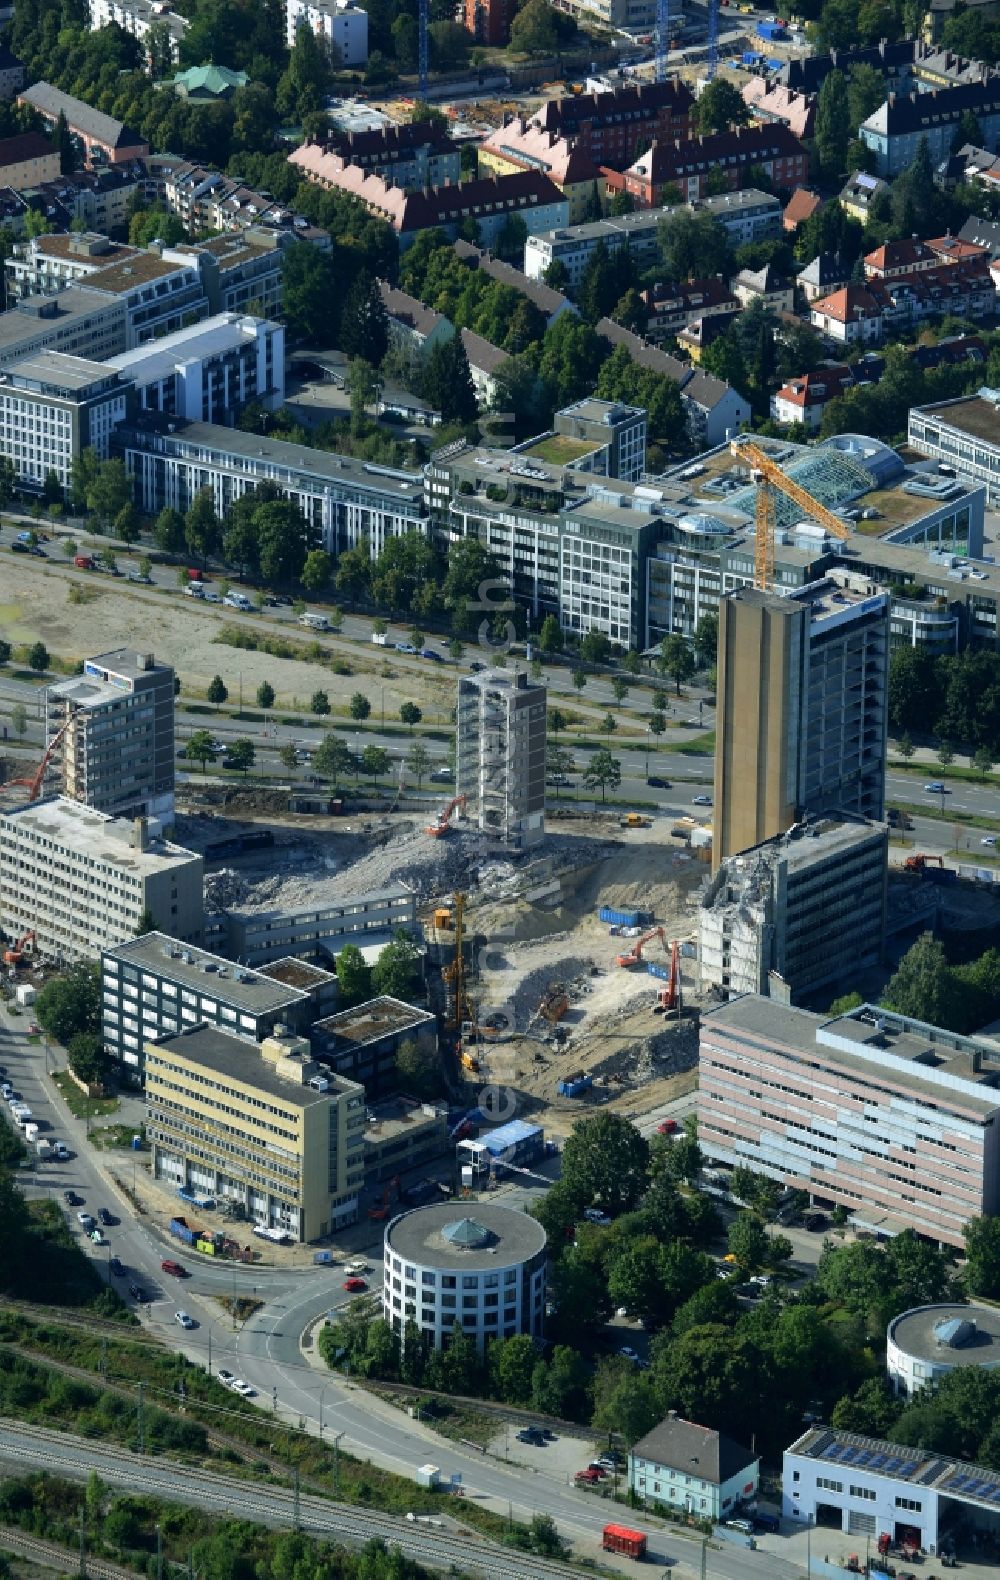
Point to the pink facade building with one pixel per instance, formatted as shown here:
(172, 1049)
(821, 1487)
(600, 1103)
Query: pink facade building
(897, 1121)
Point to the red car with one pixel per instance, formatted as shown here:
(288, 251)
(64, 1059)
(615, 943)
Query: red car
(589, 1476)
(355, 1286)
(666, 1127)
(173, 1268)
(34, 1030)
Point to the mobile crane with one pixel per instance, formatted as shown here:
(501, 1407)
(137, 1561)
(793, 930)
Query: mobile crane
(769, 478)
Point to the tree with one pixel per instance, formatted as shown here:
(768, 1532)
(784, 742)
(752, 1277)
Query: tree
(265, 695)
(905, 747)
(316, 571)
(922, 985)
(289, 757)
(19, 719)
(605, 1160)
(375, 761)
(693, 245)
(240, 754)
(706, 640)
(605, 772)
(533, 30)
(719, 108)
(396, 970)
(982, 1250)
(676, 659)
(353, 976)
(201, 525)
(126, 525)
(748, 1242)
(360, 706)
(218, 691)
(200, 749)
(945, 755)
(609, 724)
(38, 657)
(168, 531)
(550, 637)
(512, 1367)
(87, 1059)
(832, 129)
(624, 1402)
(319, 703)
(579, 678)
(364, 326)
(71, 1004)
(982, 760)
(418, 761)
(448, 381)
(410, 714)
(310, 294)
(353, 572)
(283, 538)
(332, 758)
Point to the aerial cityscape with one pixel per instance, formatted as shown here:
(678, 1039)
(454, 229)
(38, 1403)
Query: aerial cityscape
(499, 789)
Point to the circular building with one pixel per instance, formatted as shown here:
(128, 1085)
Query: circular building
(484, 1269)
(926, 1342)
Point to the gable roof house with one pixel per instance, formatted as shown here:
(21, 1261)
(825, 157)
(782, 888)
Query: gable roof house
(691, 1468)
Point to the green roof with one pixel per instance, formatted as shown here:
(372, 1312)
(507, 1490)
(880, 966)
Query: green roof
(216, 80)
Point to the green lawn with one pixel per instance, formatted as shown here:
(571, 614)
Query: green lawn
(698, 746)
(559, 449)
(79, 1104)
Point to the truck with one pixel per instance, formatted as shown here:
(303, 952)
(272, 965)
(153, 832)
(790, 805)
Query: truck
(772, 32)
(43, 1147)
(379, 638)
(31, 1132)
(620, 1539)
(181, 1230)
(83, 562)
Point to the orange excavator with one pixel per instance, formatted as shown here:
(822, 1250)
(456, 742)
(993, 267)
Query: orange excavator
(634, 956)
(380, 1211)
(14, 956)
(34, 784)
(669, 997)
(456, 804)
(918, 862)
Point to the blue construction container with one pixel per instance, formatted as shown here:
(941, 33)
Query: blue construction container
(771, 31)
(624, 918)
(575, 1085)
(751, 57)
(773, 64)
(655, 969)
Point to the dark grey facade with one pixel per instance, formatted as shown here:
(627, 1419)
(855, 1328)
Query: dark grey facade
(118, 751)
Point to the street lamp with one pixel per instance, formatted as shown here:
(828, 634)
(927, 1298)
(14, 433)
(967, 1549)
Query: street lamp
(336, 1463)
(648, 727)
(321, 1398)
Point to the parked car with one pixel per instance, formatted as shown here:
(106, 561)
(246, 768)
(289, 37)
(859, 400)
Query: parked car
(988, 839)
(61, 1151)
(117, 1267)
(71, 1198)
(355, 1286)
(533, 1435)
(746, 1526)
(627, 1352)
(815, 1222)
(173, 1268)
(184, 1319)
(18, 548)
(442, 776)
(666, 1127)
(225, 1377)
(405, 647)
(85, 1220)
(97, 1236)
(137, 1292)
(137, 576)
(589, 1476)
(106, 1217)
(240, 1386)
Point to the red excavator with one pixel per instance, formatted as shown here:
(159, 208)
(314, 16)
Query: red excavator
(918, 862)
(669, 997)
(14, 956)
(634, 956)
(34, 783)
(456, 804)
(380, 1211)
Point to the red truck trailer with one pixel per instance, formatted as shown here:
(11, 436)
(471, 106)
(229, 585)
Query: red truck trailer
(619, 1539)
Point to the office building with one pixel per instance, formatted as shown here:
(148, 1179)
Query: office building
(75, 322)
(894, 1120)
(500, 756)
(118, 749)
(403, 1134)
(362, 1043)
(802, 710)
(81, 880)
(692, 1470)
(345, 501)
(746, 215)
(798, 913)
(964, 435)
(105, 140)
(52, 408)
(869, 1488)
(369, 920)
(208, 372)
(267, 1130)
(342, 24)
(926, 1343)
(26, 160)
(611, 436)
(485, 1273)
(156, 985)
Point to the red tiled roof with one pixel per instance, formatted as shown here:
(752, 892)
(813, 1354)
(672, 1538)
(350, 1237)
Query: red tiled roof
(800, 206)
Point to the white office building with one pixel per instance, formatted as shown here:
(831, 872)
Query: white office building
(208, 372)
(342, 23)
(54, 406)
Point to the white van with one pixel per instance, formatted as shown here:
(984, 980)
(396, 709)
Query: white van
(237, 600)
(316, 622)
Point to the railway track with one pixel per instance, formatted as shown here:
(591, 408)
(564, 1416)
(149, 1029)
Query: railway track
(19, 1542)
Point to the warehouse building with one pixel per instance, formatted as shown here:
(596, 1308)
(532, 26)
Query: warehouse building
(270, 1132)
(82, 881)
(486, 1273)
(798, 913)
(895, 1120)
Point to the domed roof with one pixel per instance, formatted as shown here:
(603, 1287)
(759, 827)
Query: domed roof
(467, 1232)
(701, 521)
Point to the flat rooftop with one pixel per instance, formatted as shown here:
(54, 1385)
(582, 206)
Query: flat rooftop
(128, 662)
(85, 692)
(231, 1056)
(209, 338)
(38, 315)
(873, 1456)
(815, 840)
(977, 417)
(809, 1034)
(296, 973)
(82, 830)
(560, 448)
(256, 992)
(380, 1017)
(91, 248)
(493, 1236)
(399, 1115)
(57, 370)
(916, 1332)
(140, 269)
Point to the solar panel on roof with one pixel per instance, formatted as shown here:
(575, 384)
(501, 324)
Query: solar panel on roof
(878, 1462)
(866, 181)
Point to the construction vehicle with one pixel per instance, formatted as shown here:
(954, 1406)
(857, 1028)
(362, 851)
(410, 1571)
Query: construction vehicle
(769, 478)
(634, 956)
(14, 956)
(468, 1061)
(669, 997)
(379, 1212)
(635, 820)
(442, 918)
(554, 1004)
(456, 804)
(918, 862)
(34, 784)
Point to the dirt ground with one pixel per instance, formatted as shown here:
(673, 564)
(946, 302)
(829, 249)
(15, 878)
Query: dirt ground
(36, 605)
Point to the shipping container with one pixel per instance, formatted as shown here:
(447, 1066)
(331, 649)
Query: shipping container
(655, 969)
(575, 1085)
(624, 918)
(771, 31)
(180, 1230)
(619, 1539)
(752, 57)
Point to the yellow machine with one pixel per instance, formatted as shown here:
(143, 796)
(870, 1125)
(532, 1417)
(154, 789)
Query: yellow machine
(768, 476)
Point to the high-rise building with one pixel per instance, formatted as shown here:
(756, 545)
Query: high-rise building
(500, 756)
(118, 750)
(53, 407)
(801, 722)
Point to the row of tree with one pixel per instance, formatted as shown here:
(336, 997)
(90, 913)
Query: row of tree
(953, 697)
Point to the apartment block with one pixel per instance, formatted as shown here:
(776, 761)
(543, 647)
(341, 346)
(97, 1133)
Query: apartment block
(733, 154)
(895, 1120)
(345, 501)
(156, 985)
(895, 130)
(500, 758)
(521, 144)
(614, 127)
(802, 710)
(209, 372)
(413, 155)
(52, 408)
(118, 748)
(81, 880)
(26, 160)
(488, 20)
(341, 23)
(362, 1043)
(269, 1132)
(105, 140)
(796, 914)
(138, 17)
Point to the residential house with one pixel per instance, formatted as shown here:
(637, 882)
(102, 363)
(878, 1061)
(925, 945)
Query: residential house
(895, 130)
(805, 399)
(672, 307)
(410, 322)
(767, 285)
(11, 72)
(907, 256)
(692, 1470)
(614, 127)
(860, 192)
(984, 233)
(800, 206)
(955, 249)
(105, 140)
(825, 273)
(770, 100)
(26, 160)
(484, 360)
(520, 144)
(413, 155)
(852, 314)
(714, 410)
(702, 332)
(733, 154)
(968, 290)
(552, 304)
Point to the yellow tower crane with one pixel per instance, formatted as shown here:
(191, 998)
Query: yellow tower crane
(768, 476)
(454, 973)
